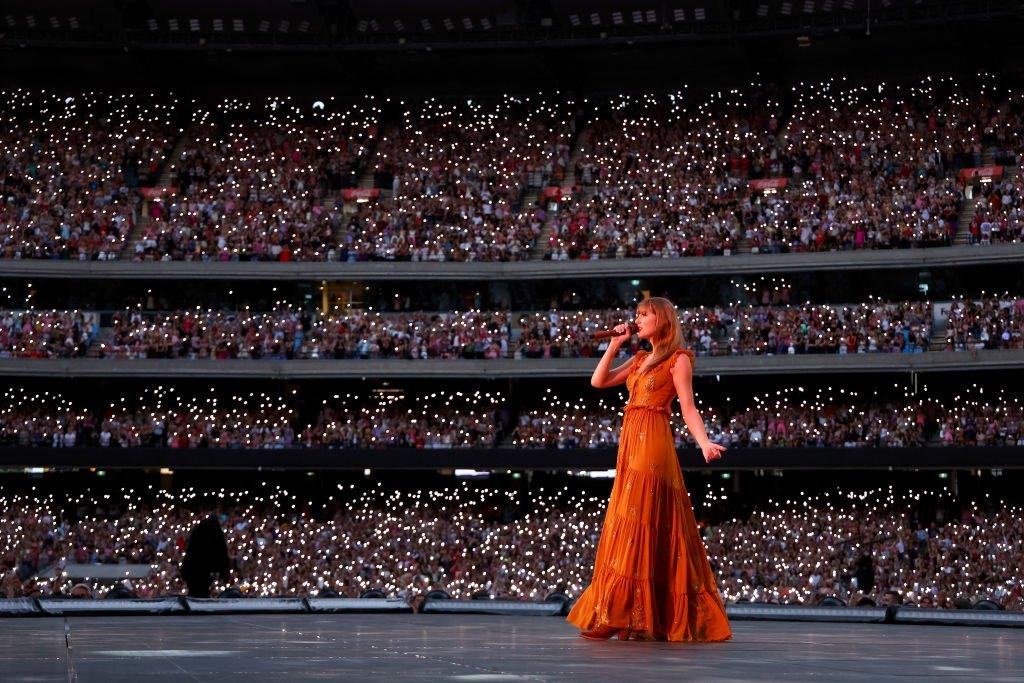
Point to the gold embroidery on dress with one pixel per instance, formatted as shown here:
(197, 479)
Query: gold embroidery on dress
(636, 617)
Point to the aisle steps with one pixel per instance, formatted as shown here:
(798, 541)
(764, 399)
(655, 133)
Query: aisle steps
(167, 175)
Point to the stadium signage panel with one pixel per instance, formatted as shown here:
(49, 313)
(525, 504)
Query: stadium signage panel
(355, 194)
(157, 192)
(983, 172)
(762, 184)
(556, 193)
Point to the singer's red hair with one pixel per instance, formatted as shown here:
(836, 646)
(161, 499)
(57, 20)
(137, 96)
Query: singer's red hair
(668, 331)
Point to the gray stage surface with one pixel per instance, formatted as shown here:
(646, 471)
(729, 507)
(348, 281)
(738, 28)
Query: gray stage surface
(436, 647)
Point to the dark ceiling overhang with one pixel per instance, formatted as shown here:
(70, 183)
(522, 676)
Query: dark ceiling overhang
(440, 24)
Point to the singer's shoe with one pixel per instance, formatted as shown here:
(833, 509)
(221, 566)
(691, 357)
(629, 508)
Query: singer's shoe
(636, 635)
(605, 632)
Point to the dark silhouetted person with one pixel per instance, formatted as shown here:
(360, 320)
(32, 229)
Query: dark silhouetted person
(206, 554)
(865, 573)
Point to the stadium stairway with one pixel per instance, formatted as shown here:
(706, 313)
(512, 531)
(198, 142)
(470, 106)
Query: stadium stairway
(939, 332)
(527, 198)
(142, 221)
(545, 236)
(963, 226)
(366, 178)
(169, 170)
(963, 232)
(937, 341)
(103, 337)
(166, 179)
(568, 183)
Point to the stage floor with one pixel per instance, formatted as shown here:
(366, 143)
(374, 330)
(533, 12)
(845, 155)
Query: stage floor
(439, 647)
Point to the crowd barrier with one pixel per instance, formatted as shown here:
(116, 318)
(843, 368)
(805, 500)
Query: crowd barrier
(892, 614)
(70, 607)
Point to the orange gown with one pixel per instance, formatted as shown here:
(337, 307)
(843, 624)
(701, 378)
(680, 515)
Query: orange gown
(651, 573)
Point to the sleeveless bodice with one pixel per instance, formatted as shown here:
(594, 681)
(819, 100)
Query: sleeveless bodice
(653, 388)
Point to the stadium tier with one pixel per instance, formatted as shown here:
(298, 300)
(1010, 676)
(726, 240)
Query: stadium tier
(786, 416)
(826, 166)
(296, 333)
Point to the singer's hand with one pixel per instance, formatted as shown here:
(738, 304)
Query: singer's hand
(712, 451)
(622, 334)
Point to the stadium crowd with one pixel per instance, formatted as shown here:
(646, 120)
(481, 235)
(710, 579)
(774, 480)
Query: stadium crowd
(851, 167)
(429, 421)
(790, 417)
(164, 417)
(255, 183)
(70, 167)
(999, 215)
(993, 322)
(923, 548)
(46, 334)
(294, 333)
(457, 176)
(656, 173)
(829, 166)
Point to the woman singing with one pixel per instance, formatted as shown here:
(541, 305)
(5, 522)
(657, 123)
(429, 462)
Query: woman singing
(651, 578)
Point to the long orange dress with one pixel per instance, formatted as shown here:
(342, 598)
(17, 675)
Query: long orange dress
(651, 573)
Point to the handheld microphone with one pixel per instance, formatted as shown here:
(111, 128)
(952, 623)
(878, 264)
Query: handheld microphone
(605, 334)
